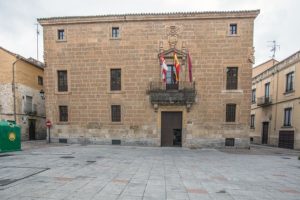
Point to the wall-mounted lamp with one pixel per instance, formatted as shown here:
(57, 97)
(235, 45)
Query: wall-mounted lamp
(42, 94)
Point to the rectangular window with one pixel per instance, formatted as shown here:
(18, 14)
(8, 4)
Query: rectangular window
(267, 90)
(232, 78)
(60, 34)
(289, 82)
(63, 113)
(115, 113)
(233, 29)
(28, 104)
(40, 80)
(171, 78)
(253, 96)
(115, 79)
(62, 81)
(287, 117)
(252, 121)
(230, 112)
(115, 32)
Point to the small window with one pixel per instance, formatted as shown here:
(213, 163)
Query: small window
(62, 81)
(115, 79)
(40, 80)
(287, 117)
(289, 82)
(229, 142)
(252, 121)
(253, 96)
(61, 34)
(233, 29)
(63, 113)
(115, 32)
(230, 112)
(267, 90)
(232, 78)
(115, 113)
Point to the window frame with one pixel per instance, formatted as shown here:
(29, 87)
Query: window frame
(113, 85)
(65, 86)
(267, 88)
(231, 31)
(289, 83)
(230, 115)
(115, 35)
(252, 121)
(232, 84)
(287, 117)
(59, 31)
(253, 96)
(61, 117)
(116, 115)
(40, 80)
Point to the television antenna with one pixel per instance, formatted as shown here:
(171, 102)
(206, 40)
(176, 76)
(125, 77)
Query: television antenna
(274, 46)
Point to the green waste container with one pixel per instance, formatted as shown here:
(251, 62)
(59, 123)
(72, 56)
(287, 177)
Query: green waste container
(10, 136)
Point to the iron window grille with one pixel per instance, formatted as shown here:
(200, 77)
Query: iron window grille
(115, 32)
(287, 117)
(63, 113)
(233, 29)
(232, 78)
(62, 78)
(229, 142)
(115, 113)
(230, 112)
(289, 82)
(115, 79)
(61, 34)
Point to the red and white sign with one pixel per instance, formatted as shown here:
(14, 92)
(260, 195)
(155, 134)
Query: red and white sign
(48, 123)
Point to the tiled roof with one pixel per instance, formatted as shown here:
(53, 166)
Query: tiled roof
(29, 60)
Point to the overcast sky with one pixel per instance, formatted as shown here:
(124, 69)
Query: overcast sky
(278, 20)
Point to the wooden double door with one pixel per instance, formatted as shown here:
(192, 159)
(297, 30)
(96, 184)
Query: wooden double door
(171, 128)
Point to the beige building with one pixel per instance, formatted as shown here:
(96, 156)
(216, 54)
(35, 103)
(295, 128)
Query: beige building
(21, 81)
(103, 78)
(275, 110)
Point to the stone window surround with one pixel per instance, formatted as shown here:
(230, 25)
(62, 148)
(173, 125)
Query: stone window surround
(237, 112)
(108, 69)
(237, 27)
(287, 71)
(55, 72)
(238, 90)
(58, 117)
(115, 102)
(65, 33)
(110, 31)
(291, 117)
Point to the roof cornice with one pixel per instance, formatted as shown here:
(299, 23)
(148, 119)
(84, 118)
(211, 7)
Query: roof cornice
(148, 17)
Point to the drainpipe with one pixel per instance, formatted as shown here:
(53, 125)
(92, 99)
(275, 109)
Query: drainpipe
(14, 87)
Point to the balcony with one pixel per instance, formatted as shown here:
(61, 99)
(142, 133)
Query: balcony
(30, 109)
(264, 101)
(183, 93)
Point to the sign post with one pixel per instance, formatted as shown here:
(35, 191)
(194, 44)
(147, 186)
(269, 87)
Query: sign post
(49, 124)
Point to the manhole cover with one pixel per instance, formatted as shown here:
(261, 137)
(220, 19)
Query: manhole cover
(91, 161)
(285, 158)
(67, 157)
(5, 155)
(221, 191)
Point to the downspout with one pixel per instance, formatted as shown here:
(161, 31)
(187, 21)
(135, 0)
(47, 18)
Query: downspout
(14, 87)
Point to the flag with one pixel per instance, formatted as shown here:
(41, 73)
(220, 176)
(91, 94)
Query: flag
(164, 68)
(190, 67)
(177, 67)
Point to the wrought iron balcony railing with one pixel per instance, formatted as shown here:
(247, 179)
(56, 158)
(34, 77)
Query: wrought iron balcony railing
(264, 101)
(183, 93)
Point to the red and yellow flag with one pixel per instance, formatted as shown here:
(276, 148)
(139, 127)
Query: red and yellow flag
(177, 67)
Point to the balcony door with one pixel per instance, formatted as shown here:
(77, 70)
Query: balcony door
(171, 78)
(265, 131)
